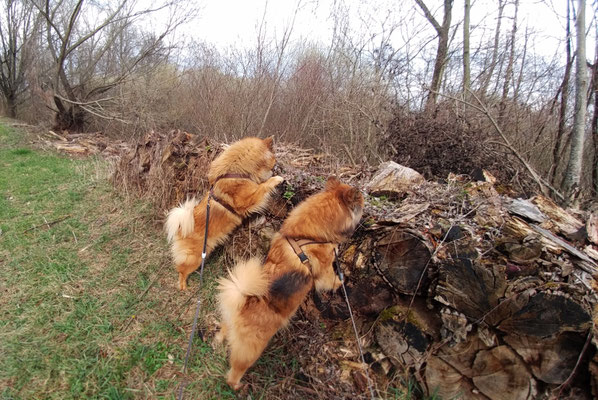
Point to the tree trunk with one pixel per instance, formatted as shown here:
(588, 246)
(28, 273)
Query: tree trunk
(509, 71)
(11, 106)
(490, 70)
(595, 119)
(466, 61)
(556, 150)
(516, 89)
(572, 180)
(441, 52)
(68, 116)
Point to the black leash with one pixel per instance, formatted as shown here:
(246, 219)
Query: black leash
(296, 245)
(203, 261)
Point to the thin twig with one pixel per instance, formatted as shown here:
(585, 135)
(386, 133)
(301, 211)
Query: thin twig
(48, 224)
(542, 183)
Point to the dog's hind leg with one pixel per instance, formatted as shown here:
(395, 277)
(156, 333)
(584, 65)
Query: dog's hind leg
(242, 356)
(185, 258)
(184, 271)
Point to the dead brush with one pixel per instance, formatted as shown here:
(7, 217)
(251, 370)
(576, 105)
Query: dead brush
(166, 168)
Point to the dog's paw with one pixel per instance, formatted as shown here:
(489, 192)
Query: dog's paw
(276, 180)
(235, 384)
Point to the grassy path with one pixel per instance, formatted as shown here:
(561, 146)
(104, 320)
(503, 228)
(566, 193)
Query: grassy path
(88, 307)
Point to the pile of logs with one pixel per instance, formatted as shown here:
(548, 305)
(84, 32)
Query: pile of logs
(478, 294)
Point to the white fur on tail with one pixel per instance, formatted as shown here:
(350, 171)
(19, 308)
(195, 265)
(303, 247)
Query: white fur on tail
(246, 279)
(181, 217)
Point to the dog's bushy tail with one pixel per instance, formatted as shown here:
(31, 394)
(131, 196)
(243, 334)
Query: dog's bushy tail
(181, 217)
(246, 279)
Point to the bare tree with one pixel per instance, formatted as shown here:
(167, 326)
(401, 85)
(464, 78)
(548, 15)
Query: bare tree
(595, 117)
(466, 60)
(16, 32)
(278, 70)
(489, 70)
(574, 167)
(442, 51)
(510, 64)
(79, 50)
(564, 91)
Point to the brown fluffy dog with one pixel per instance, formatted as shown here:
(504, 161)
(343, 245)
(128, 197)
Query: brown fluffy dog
(255, 302)
(242, 182)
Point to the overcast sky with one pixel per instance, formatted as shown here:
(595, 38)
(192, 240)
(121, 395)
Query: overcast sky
(235, 22)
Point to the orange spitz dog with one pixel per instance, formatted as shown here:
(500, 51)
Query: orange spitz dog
(256, 301)
(242, 182)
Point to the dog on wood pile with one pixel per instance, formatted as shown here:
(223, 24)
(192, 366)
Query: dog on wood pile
(255, 301)
(241, 183)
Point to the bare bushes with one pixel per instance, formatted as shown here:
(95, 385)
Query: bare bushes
(337, 103)
(434, 145)
(331, 102)
(450, 141)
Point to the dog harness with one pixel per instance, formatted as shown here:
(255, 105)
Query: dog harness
(297, 245)
(222, 202)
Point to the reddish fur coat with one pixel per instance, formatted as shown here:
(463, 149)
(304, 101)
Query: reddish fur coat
(185, 225)
(256, 301)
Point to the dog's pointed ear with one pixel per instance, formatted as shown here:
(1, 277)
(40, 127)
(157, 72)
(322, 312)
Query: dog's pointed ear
(269, 141)
(332, 183)
(352, 197)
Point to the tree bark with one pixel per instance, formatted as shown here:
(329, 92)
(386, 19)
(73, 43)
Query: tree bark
(466, 61)
(572, 180)
(556, 150)
(490, 70)
(442, 51)
(595, 119)
(509, 71)
(11, 107)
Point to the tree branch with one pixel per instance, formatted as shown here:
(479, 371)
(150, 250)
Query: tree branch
(429, 16)
(544, 186)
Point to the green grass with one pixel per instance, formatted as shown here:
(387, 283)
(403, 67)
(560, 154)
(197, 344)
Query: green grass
(89, 307)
